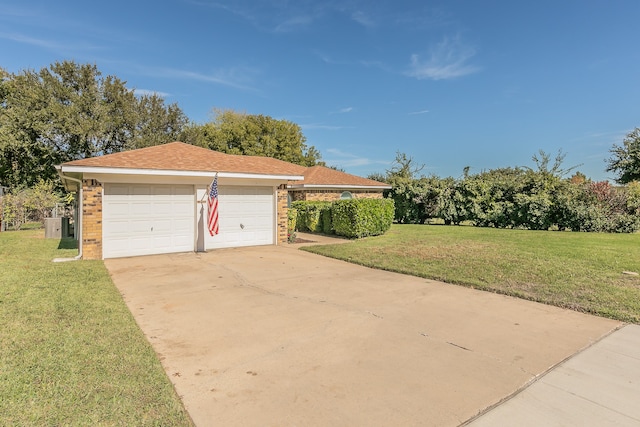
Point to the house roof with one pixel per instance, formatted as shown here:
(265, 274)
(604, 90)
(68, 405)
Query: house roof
(181, 158)
(178, 156)
(323, 177)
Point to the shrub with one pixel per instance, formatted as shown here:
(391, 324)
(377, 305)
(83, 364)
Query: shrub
(325, 219)
(362, 217)
(292, 216)
(308, 218)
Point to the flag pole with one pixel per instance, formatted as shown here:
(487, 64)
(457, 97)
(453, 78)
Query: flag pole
(208, 190)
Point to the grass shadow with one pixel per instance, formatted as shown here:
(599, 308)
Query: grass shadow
(68, 243)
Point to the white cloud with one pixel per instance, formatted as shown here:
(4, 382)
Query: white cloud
(345, 110)
(47, 43)
(363, 19)
(143, 92)
(320, 126)
(446, 60)
(346, 160)
(293, 24)
(237, 78)
(418, 112)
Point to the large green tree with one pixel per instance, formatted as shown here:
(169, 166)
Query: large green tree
(69, 111)
(625, 158)
(256, 135)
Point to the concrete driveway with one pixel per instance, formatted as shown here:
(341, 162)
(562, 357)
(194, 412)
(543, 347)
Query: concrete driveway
(273, 336)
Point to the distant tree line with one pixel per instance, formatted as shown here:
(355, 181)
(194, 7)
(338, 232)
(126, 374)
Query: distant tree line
(539, 198)
(70, 111)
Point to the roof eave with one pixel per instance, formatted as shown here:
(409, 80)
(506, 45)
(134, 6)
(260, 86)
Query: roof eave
(68, 169)
(69, 182)
(337, 187)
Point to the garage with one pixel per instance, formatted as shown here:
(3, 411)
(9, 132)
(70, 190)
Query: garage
(146, 219)
(246, 217)
(153, 200)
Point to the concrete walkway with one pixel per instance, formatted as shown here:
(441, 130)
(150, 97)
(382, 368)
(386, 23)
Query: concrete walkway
(598, 387)
(275, 336)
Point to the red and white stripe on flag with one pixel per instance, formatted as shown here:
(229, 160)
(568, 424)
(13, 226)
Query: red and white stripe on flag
(212, 219)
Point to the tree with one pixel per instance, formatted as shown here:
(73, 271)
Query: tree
(156, 122)
(405, 189)
(543, 159)
(404, 167)
(377, 176)
(256, 135)
(625, 158)
(70, 111)
(30, 204)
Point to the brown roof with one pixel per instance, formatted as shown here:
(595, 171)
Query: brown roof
(323, 176)
(178, 156)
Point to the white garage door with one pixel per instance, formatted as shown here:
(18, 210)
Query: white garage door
(246, 217)
(145, 219)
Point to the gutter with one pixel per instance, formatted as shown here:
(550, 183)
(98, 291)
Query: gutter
(79, 229)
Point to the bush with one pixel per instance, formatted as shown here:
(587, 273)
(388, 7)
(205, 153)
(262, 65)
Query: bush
(325, 218)
(29, 204)
(308, 218)
(292, 216)
(362, 217)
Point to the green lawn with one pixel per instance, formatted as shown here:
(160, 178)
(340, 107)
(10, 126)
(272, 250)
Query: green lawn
(581, 271)
(70, 351)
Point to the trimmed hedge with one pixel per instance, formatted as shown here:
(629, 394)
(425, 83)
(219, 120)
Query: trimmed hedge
(309, 215)
(362, 217)
(349, 218)
(325, 218)
(292, 216)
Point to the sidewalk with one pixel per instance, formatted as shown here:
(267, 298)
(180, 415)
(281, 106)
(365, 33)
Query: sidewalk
(599, 386)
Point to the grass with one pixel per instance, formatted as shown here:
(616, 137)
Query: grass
(580, 271)
(70, 351)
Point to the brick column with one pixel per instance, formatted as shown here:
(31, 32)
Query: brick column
(91, 219)
(282, 209)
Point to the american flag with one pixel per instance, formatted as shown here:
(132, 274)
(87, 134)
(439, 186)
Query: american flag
(212, 220)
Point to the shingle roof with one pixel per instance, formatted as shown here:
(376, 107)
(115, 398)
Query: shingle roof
(320, 176)
(178, 156)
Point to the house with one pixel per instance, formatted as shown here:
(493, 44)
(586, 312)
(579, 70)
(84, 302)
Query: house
(154, 200)
(325, 184)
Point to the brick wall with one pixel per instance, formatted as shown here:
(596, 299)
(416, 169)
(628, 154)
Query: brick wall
(331, 195)
(282, 214)
(91, 219)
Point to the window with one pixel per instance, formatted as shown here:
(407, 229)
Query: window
(288, 200)
(346, 195)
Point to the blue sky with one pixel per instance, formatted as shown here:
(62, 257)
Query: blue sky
(476, 83)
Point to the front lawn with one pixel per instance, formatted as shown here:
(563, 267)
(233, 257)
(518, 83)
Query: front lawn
(581, 271)
(70, 351)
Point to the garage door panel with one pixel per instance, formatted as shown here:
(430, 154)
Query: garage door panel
(147, 219)
(246, 217)
(137, 227)
(116, 190)
(139, 209)
(185, 225)
(162, 226)
(119, 209)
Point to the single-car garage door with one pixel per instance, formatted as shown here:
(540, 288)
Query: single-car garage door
(145, 219)
(246, 217)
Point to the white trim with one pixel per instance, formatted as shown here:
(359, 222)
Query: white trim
(167, 172)
(337, 187)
